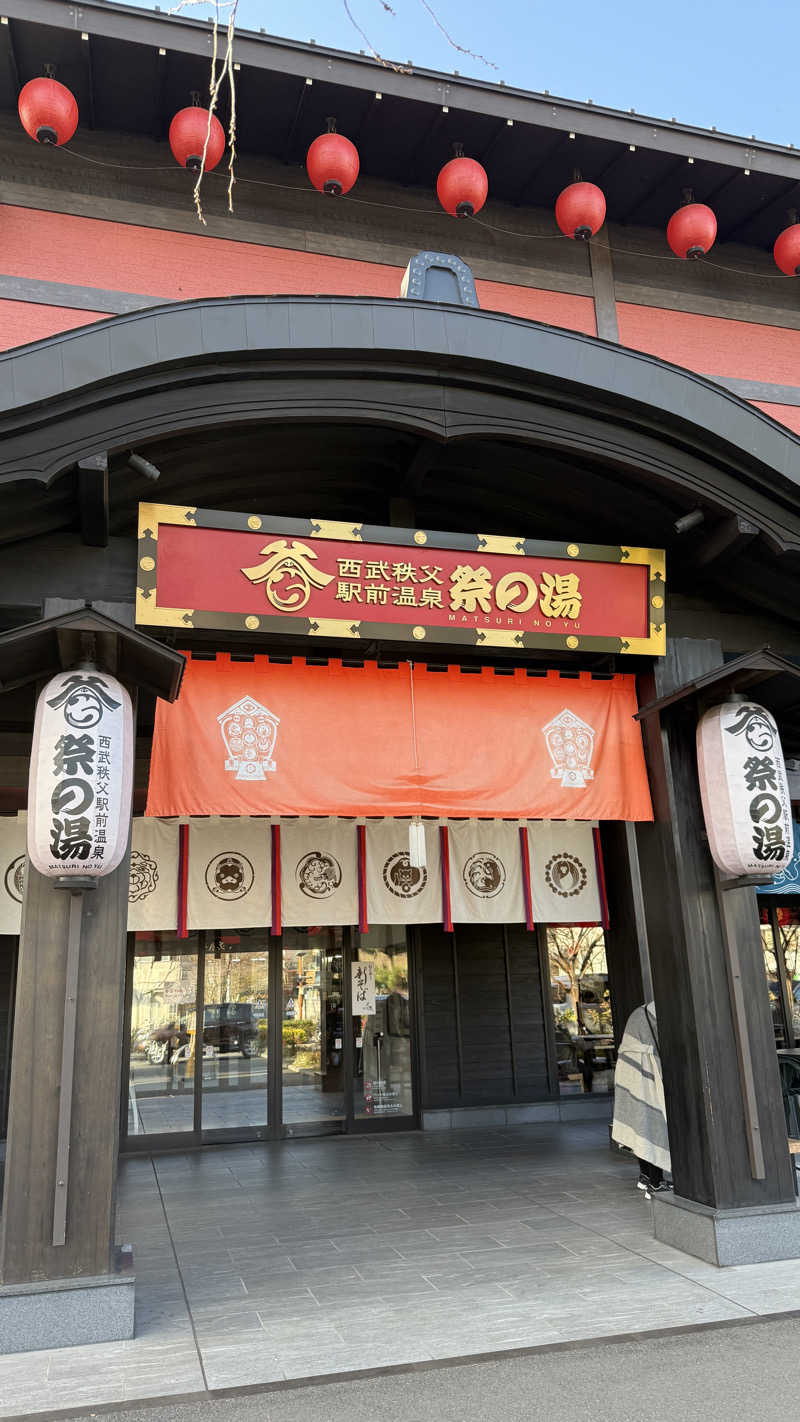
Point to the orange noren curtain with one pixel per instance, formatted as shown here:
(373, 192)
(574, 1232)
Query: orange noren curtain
(260, 737)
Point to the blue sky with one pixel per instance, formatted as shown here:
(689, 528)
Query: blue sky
(706, 62)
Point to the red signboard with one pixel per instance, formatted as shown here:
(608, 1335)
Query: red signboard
(203, 568)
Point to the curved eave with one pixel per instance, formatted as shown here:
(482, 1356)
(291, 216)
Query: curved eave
(93, 388)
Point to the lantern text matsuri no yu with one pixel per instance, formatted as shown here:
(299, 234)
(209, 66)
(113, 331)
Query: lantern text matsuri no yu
(79, 797)
(744, 790)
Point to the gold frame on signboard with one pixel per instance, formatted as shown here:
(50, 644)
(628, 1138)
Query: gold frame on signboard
(149, 613)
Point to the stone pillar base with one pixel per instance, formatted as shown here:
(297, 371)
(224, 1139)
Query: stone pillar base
(756, 1235)
(62, 1313)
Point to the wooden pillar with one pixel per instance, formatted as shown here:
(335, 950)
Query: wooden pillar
(687, 922)
(27, 1253)
(626, 937)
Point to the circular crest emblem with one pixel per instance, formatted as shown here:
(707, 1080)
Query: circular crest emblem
(401, 879)
(229, 876)
(484, 875)
(14, 879)
(144, 876)
(318, 875)
(565, 874)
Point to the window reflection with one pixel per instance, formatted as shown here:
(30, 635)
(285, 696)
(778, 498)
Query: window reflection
(235, 1034)
(312, 1029)
(780, 936)
(581, 1008)
(163, 1031)
(773, 984)
(789, 933)
(382, 1039)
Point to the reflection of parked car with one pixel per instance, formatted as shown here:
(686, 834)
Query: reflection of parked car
(228, 1027)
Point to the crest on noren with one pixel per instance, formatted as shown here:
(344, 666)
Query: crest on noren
(249, 731)
(570, 743)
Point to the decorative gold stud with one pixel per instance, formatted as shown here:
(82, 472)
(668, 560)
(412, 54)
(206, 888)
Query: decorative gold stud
(573, 550)
(419, 633)
(254, 521)
(572, 643)
(252, 623)
(420, 537)
(147, 564)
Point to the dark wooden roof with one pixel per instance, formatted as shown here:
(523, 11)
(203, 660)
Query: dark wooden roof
(530, 143)
(40, 649)
(770, 679)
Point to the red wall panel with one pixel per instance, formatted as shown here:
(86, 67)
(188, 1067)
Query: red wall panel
(23, 321)
(557, 308)
(788, 415)
(53, 246)
(711, 344)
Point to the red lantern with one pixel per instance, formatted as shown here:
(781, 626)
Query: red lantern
(332, 162)
(187, 139)
(787, 250)
(48, 111)
(691, 230)
(581, 210)
(462, 187)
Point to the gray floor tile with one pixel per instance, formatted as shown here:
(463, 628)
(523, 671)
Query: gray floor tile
(312, 1257)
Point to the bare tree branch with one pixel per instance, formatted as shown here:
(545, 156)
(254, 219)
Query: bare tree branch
(386, 63)
(406, 69)
(453, 43)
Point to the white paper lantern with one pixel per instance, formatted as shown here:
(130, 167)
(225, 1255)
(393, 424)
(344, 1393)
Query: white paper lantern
(81, 777)
(744, 789)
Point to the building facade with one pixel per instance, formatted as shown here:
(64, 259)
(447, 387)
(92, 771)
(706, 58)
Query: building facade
(554, 485)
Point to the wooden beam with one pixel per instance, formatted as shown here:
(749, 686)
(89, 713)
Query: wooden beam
(86, 46)
(728, 537)
(305, 85)
(7, 48)
(550, 152)
(93, 499)
(159, 94)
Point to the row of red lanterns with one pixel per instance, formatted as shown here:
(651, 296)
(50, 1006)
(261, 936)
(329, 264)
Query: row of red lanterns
(49, 113)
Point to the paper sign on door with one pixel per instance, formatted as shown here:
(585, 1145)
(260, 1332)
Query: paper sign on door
(363, 989)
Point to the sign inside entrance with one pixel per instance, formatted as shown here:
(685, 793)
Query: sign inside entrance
(246, 572)
(363, 989)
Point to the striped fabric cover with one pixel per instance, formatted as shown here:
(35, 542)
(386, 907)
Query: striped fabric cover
(640, 1119)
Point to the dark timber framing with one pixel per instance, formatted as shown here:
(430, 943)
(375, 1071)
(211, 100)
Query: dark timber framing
(342, 351)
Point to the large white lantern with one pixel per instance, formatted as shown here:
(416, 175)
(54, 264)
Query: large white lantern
(81, 777)
(744, 789)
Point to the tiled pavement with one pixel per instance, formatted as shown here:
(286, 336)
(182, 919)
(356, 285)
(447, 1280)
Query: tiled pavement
(260, 1263)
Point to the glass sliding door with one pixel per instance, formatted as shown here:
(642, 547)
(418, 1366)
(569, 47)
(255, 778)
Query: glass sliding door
(240, 1035)
(789, 941)
(163, 1025)
(312, 1028)
(780, 936)
(584, 1031)
(235, 1049)
(382, 1059)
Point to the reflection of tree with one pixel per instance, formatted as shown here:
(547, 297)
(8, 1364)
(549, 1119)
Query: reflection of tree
(791, 951)
(573, 953)
(391, 975)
